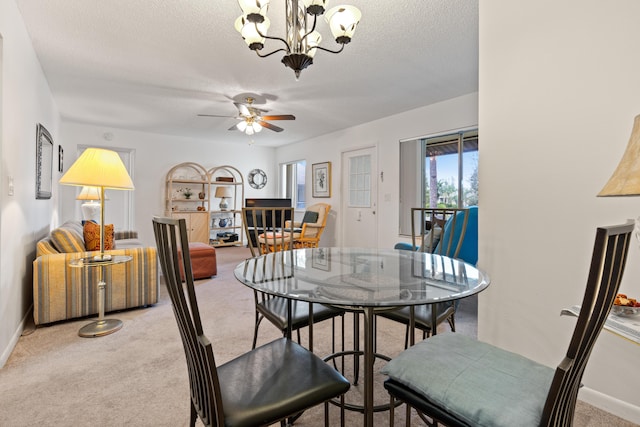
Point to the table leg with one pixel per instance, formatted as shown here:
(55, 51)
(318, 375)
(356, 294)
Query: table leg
(101, 326)
(369, 359)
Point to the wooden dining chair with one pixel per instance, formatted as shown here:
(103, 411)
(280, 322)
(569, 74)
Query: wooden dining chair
(271, 383)
(270, 229)
(459, 381)
(440, 231)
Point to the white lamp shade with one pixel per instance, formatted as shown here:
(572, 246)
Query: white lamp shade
(224, 191)
(308, 3)
(343, 20)
(249, 32)
(90, 193)
(254, 6)
(625, 180)
(98, 167)
(313, 40)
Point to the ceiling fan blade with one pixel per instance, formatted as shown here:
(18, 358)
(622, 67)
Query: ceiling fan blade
(214, 115)
(270, 126)
(280, 117)
(243, 109)
(234, 127)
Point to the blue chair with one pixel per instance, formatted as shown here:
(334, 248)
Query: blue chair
(450, 232)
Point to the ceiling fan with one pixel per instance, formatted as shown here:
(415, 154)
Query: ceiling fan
(252, 118)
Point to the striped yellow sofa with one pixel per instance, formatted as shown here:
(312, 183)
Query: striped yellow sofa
(62, 292)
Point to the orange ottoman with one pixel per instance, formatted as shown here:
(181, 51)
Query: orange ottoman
(203, 260)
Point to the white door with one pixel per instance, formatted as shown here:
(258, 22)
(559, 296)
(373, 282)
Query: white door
(359, 198)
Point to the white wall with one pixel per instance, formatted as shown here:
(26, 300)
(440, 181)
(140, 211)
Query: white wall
(26, 101)
(155, 155)
(558, 94)
(385, 134)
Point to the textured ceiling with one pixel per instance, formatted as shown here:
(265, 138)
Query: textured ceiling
(154, 65)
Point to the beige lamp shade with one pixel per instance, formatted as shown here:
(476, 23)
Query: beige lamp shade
(224, 192)
(625, 180)
(90, 193)
(98, 167)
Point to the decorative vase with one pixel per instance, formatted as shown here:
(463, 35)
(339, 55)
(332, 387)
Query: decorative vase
(222, 222)
(201, 195)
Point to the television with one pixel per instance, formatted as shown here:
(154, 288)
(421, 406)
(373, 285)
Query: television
(264, 203)
(259, 203)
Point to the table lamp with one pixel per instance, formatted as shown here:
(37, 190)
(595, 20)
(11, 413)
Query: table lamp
(224, 193)
(91, 207)
(97, 167)
(625, 180)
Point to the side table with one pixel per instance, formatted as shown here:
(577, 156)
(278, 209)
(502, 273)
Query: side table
(101, 326)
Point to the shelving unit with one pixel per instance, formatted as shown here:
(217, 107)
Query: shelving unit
(206, 222)
(226, 220)
(195, 209)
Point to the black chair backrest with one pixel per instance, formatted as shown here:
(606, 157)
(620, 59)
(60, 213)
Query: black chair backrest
(271, 229)
(607, 266)
(173, 251)
(428, 230)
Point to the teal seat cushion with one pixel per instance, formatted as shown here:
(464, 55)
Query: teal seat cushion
(480, 383)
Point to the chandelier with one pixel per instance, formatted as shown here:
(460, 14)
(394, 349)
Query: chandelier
(302, 39)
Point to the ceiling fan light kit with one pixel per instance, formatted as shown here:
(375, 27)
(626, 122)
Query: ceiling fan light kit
(252, 119)
(302, 40)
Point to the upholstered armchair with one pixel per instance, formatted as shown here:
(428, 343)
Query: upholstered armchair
(308, 231)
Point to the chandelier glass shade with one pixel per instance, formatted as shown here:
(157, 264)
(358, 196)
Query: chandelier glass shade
(301, 40)
(249, 126)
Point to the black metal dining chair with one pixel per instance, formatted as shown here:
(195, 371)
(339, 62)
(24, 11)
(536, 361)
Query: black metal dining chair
(459, 381)
(271, 383)
(270, 229)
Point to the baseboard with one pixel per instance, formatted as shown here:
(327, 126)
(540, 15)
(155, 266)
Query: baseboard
(610, 404)
(14, 339)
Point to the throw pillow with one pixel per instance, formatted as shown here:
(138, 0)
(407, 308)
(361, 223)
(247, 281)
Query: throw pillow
(92, 236)
(67, 240)
(310, 217)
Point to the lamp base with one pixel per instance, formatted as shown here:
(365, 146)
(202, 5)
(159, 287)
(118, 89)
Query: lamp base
(100, 328)
(91, 211)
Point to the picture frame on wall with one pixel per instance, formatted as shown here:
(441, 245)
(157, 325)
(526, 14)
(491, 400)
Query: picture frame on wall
(44, 162)
(60, 159)
(321, 175)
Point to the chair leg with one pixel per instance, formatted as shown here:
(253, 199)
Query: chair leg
(452, 322)
(255, 330)
(194, 415)
(392, 410)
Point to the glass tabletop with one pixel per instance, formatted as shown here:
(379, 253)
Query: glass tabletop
(96, 261)
(362, 276)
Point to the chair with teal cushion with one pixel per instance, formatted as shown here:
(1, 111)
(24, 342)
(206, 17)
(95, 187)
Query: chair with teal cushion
(459, 381)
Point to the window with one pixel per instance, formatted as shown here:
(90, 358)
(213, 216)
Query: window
(292, 182)
(437, 172)
(360, 182)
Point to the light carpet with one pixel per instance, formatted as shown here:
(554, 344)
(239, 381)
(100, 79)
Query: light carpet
(137, 376)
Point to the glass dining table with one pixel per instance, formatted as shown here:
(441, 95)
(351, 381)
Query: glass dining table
(363, 280)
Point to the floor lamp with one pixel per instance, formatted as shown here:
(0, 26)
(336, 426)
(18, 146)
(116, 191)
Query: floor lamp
(97, 167)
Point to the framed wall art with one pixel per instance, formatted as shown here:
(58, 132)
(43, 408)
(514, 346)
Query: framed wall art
(44, 162)
(321, 175)
(60, 159)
